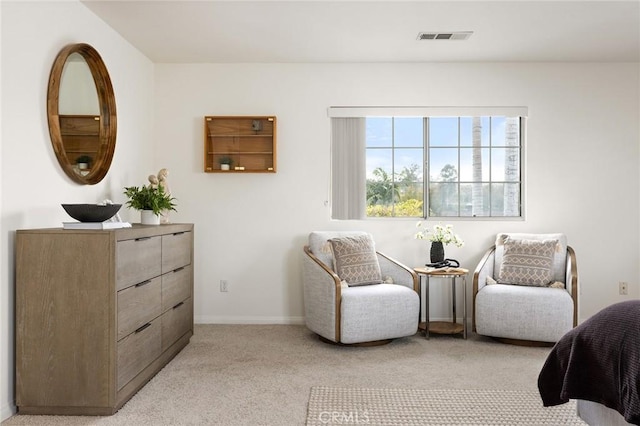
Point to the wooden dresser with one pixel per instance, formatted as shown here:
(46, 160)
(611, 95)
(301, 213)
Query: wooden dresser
(98, 314)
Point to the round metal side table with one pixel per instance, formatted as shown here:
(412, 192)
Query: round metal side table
(443, 327)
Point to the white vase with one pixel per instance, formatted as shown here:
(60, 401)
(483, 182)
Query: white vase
(224, 167)
(147, 217)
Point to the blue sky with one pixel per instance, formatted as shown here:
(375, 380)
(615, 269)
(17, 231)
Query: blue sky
(407, 133)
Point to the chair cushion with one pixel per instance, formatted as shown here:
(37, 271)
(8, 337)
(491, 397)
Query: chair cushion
(523, 312)
(378, 312)
(321, 248)
(355, 260)
(527, 262)
(559, 269)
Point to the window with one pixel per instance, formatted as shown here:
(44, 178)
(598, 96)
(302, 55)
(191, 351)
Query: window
(436, 165)
(394, 162)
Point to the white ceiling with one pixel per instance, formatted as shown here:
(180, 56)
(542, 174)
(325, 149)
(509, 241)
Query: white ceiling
(376, 31)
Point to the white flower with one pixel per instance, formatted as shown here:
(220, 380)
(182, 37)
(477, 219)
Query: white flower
(443, 234)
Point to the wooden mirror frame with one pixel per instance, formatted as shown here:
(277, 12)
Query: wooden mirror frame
(107, 108)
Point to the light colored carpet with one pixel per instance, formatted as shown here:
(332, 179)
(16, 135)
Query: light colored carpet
(263, 374)
(337, 406)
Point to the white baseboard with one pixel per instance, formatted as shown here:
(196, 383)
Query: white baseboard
(8, 409)
(206, 319)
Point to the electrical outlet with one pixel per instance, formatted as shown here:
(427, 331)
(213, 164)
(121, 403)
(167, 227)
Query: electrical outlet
(623, 288)
(224, 285)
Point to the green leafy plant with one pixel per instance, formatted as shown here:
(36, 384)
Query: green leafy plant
(149, 198)
(225, 160)
(407, 208)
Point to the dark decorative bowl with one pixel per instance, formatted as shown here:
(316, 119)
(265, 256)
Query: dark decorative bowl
(91, 212)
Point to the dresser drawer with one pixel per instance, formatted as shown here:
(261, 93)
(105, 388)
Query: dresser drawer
(138, 304)
(138, 260)
(176, 287)
(138, 350)
(176, 250)
(176, 322)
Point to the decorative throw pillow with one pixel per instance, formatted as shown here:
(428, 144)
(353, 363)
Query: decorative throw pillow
(355, 260)
(527, 262)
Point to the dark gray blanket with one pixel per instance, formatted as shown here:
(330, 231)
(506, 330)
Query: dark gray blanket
(598, 361)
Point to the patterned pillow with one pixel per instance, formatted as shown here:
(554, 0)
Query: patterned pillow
(527, 262)
(355, 260)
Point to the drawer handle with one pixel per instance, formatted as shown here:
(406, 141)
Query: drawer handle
(178, 269)
(178, 305)
(139, 329)
(143, 283)
(178, 233)
(142, 238)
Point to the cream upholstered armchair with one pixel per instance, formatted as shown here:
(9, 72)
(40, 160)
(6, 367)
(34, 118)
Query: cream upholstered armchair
(525, 289)
(345, 298)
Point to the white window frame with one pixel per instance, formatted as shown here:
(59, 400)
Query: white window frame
(364, 112)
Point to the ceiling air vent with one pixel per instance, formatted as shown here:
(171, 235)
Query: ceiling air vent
(454, 35)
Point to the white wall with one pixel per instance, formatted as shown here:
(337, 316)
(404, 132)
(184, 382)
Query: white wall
(32, 183)
(582, 173)
(582, 161)
(6, 353)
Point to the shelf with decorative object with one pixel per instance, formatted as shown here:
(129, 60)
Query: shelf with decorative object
(240, 144)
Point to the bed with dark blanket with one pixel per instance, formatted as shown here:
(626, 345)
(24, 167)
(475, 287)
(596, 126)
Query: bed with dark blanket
(598, 361)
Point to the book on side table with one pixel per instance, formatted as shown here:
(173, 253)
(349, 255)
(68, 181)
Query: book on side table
(95, 225)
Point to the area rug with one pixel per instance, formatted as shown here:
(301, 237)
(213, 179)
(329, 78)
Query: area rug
(360, 406)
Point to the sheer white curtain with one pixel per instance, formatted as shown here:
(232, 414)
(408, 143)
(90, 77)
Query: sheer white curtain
(348, 168)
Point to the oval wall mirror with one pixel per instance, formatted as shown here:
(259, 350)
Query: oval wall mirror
(81, 110)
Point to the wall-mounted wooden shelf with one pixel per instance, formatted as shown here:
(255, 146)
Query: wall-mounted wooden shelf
(248, 141)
